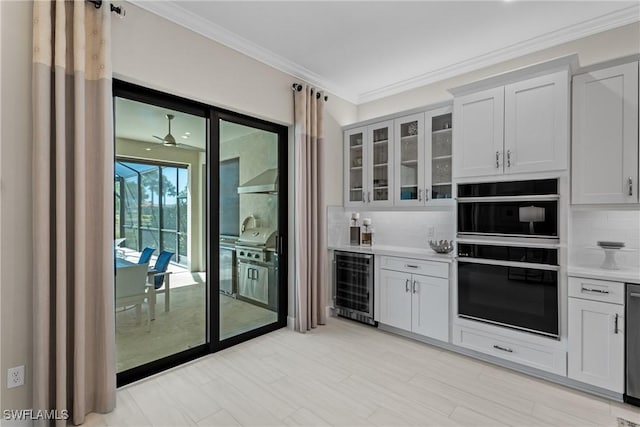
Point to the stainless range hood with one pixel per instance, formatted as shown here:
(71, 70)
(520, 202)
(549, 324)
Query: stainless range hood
(266, 182)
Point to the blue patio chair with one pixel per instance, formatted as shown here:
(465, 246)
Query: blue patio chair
(161, 277)
(145, 256)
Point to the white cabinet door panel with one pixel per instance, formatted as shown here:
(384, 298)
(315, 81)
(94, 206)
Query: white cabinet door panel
(596, 343)
(478, 133)
(430, 306)
(536, 136)
(355, 171)
(395, 299)
(605, 136)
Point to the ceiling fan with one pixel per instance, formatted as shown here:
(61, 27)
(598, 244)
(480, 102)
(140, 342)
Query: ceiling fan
(169, 140)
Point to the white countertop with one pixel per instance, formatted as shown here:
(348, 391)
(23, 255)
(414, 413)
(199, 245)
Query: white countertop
(400, 251)
(626, 275)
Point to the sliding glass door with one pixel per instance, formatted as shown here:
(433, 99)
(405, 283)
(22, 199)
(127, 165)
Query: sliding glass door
(200, 225)
(160, 237)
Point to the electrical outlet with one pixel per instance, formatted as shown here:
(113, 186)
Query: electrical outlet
(431, 232)
(15, 376)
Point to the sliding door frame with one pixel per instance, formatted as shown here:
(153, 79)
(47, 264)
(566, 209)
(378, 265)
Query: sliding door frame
(214, 229)
(213, 343)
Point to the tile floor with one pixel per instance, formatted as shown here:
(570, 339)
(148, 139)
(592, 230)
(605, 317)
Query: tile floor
(349, 374)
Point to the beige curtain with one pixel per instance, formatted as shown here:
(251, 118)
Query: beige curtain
(310, 222)
(73, 290)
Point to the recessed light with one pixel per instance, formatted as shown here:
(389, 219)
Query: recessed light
(148, 149)
(187, 133)
(185, 136)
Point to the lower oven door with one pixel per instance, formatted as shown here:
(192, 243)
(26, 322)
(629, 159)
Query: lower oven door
(514, 294)
(253, 282)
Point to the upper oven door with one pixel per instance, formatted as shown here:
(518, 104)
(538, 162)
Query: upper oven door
(515, 216)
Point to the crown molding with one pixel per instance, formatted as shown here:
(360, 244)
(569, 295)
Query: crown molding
(570, 33)
(173, 12)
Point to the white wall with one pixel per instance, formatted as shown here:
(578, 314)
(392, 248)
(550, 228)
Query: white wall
(15, 192)
(600, 47)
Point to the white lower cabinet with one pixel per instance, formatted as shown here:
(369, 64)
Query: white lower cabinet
(545, 358)
(596, 333)
(417, 303)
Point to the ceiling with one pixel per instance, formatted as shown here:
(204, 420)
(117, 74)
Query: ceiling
(366, 50)
(138, 121)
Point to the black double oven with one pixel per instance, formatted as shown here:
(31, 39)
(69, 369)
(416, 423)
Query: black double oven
(508, 249)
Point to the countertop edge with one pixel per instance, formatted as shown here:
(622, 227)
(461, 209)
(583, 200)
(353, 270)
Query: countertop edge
(404, 252)
(627, 276)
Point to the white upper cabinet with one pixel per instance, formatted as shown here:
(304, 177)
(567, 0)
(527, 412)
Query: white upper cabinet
(410, 162)
(605, 136)
(521, 126)
(478, 133)
(368, 154)
(423, 158)
(354, 176)
(380, 164)
(536, 124)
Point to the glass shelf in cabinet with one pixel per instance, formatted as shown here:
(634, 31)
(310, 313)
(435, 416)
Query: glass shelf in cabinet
(441, 130)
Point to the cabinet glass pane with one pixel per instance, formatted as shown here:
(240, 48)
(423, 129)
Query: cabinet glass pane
(380, 164)
(441, 156)
(409, 160)
(355, 167)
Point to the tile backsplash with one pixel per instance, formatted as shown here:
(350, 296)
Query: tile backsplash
(590, 226)
(392, 228)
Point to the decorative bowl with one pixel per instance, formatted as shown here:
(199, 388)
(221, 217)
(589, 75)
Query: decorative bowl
(441, 246)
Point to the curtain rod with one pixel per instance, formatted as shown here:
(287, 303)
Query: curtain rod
(119, 10)
(298, 87)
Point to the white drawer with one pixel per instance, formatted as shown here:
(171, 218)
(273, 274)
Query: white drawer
(596, 290)
(546, 359)
(416, 266)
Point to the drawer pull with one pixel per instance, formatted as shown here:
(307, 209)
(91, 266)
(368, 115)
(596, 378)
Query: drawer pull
(411, 266)
(597, 291)
(498, 347)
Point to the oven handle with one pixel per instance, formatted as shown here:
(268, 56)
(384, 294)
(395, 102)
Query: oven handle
(531, 198)
(516, 264)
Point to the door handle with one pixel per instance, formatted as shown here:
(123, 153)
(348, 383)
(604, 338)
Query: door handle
(497, 159)
(419, 195)
(630, 186)
(406, 285)
(426, 194)
(615, 324)
(249, 273)
(368, 196)
(364, 199)
(257, 274)
(414, 286)
(508, 158)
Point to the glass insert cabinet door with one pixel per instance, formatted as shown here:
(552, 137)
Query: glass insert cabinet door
(440, 134)
(380, 164)
(355, 150)
(409, 154)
